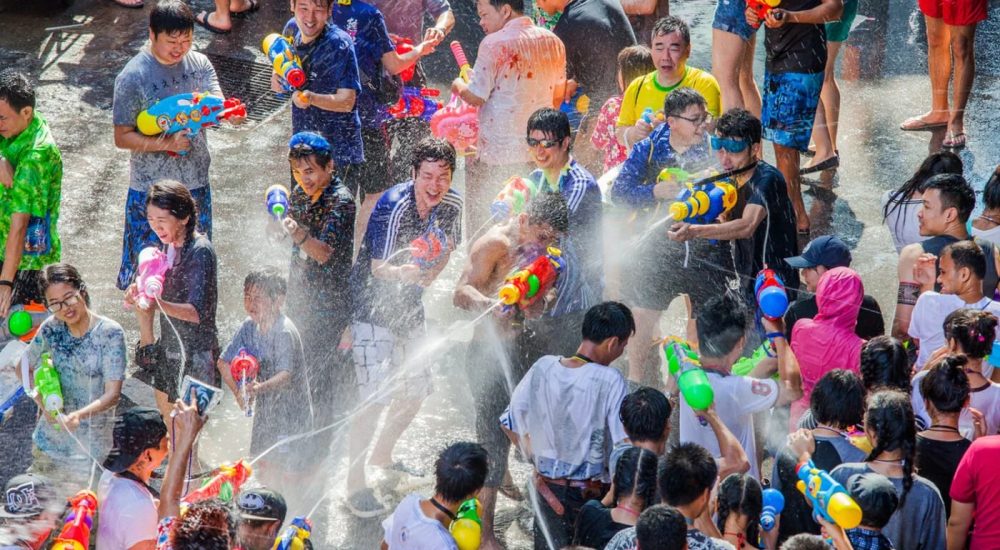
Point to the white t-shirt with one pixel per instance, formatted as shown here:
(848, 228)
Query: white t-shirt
(737, 398)
(126, 513)
(927, 320)
(568, 417)
(408, 528)
(902, 222)
(986, 401)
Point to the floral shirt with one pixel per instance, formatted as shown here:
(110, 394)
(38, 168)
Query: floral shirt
(546, 21)
(604, 138)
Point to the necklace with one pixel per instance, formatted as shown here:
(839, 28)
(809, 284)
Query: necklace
(989, 219)
(841, 433)
(942, 428)
(442, 508)
(583, 358)
(629, 510)
(889, 461)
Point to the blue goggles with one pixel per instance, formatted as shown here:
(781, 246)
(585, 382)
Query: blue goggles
(309, 142)
(729, 144)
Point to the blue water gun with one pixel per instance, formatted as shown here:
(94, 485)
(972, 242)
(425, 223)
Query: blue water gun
(416, 103)
(193, 112)
(701, 203)
(576, 108)
(828, 498)
(772, 298)
(284, 61)
(774, 504)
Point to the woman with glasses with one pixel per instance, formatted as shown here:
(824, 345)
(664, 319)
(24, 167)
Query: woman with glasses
(87, 351)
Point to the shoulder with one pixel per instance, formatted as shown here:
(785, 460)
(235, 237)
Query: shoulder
(397, 196)
(699, 78)
(623, 540)
(198, 59)
(202, 248)
(108, 326)
(581, 176)
(452, 200)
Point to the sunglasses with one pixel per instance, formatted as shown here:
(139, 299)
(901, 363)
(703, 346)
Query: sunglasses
(729, 144)
(546, 143)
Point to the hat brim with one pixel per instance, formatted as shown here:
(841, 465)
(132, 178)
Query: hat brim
(244, 515)
(117, 461)
(799, 262)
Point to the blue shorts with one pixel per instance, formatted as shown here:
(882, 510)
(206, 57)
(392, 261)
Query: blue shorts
(730, 16)
(790, 101)
(139, 235)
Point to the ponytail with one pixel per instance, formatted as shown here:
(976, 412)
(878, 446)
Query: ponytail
(890, 418)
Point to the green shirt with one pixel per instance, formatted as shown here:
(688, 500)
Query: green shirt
(37, 188)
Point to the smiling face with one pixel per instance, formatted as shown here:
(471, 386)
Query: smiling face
(670, 53)
(312, 177)
(553, 157)
(13, 122)
(67, 302)
(168, 229)
(430, 183)
(170, 47)
(688, 128)
(311, 16)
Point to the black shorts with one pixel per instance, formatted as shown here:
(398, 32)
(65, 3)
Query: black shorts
(373, 176)
(657, 274)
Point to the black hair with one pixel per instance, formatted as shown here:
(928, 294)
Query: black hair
(878, 516)
(721, 321)
(320, 158)
(686, 473)
(955, 193)
(326, 3)
(635, 475)
(661, 527)
(741, 493)
(991, 191)
(884, 364)
(804, 541)
(942, 162)
(207, 525)
(549, 209)
(173, 197)
(635, 62)
(171, 17)
(608, 320)
(16, 90)
(973, 329)
(62, 273)
(838, 399)
(645, 414)
(739, 124)
(946, 386)
(890, 419)
(680, 99)
(967, 254)
(551, 122)
(515, 5)
(269, 279)
(671, 24)
(460, 470)
(433, 150)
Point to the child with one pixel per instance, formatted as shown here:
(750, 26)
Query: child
(633, 490)
(740, 502)
(633, 62)
(877, 497)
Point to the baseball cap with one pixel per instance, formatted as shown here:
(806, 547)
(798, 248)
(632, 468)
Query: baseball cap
(262, 504)
(828, 251)
(309, 142)
(135, 431)
(26, 495)
(876, 496)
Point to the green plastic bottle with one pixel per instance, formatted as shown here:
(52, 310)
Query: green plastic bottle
(48, 386)
(692, 381)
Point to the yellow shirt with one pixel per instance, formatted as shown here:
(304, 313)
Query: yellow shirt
(645, 92)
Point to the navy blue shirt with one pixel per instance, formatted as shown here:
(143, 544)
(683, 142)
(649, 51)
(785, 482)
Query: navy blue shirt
(366, 27)
(330, 65)
(192, 280)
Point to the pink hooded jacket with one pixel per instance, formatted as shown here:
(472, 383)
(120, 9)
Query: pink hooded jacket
(827, 341)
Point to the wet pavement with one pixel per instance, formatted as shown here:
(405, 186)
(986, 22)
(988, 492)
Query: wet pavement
(884, 82)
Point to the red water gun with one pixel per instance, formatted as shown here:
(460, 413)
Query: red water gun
(428, 248)
(404, 46)
(761, 8)
(224, 485)
(244, 368)
(416, 102)
(75, 534)
(525, 286)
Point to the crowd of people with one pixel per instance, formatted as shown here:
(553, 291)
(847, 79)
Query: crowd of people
(566, 376)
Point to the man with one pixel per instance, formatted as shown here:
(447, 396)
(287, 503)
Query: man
(671, 47)
(165, 68)
(819, 256)
(563, 416)
(30, 512)
(974, 493)
(261, 514)
(30, 192)
(513, 50)
(387, 286)
(661, 527)
(951, 36)
(793, 78)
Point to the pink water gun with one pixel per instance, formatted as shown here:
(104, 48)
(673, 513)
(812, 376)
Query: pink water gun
(153, 267)
(457, 122)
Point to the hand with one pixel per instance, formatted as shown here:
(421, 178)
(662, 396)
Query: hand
(833, 531)
(680, 232)
(773, 325)
(925, 270)
(71, 421)
(979, 422)
(457, 86)
(426, 47)
(408, 273)
(178, 143)
(571, 87)
(776, 18)
(294, 230)
(640, 131)
(346, 340)
(6, 173)
(434, 35)
(6, 293)
(666, 190)
(186, 422)
(302, 99)
(802, 442)
(236, 120)
(255, 388)
(276, 84)
(751, 17)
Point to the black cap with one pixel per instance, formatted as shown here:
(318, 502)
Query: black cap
(876, 496)
(26, 495)
(262, 504)
(827, 251)
(135, 431)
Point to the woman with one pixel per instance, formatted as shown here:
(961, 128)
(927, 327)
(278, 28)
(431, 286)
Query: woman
(899, 207)
(88, 352)
(188, 342)
(733, 43)
(987, 225)
(634, 488)
(885, 365)
(740, 502)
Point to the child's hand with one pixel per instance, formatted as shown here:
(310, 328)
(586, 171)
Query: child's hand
(802, 442)
(256, 388)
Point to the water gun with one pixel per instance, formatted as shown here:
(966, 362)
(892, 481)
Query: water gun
(576, 107)
(512, 199)
(295, 535)
(745, 365)
(467, 528)
(10, 402)
(223, 485)
(284, 61)
(771, 296)
(684, 366)
(244, 368)
(829, 499)
(703, 203)
(75, 534)
(525, 286)
(404, 46)
(457, 122)
(761, 8)
(428, 248)
(47, 386)
(153, 267)
(416, 103)
(276, 198)
(648, 115)
(22, 322)
(464, 69)
(192, 112)
(774, 503)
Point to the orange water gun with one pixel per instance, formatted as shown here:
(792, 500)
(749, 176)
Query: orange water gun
(761, 8)
(223, 485)
(75, 534)
(525, 286)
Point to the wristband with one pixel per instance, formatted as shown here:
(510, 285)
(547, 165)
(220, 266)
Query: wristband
(773, 335)
(7, 284)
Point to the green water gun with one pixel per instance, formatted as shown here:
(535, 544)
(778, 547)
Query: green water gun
(47, 385)
(745, 365)
(684, 366)
(467, 528)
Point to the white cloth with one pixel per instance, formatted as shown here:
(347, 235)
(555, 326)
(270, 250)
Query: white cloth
(902, 222)
(927, 319)
(737, 398)
(568, 417)
(989, 235)
(408, 528)
(126, 512)
(986, 401)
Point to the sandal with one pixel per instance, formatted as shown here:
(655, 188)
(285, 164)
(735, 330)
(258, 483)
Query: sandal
(831, 163)
(202, 19)
(131, 5)
(918, 124)
(244, 14)
(954, 141)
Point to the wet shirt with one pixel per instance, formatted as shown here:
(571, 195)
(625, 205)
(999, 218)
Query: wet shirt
(633, 188)
(938, 460)
(775, 238)
(192, 280)
(646, 92)
(142, 83)
(394, 224)
(593, 32)
(330, 65)
(366, 27)
(406, 17)
(977, 481)
(798, 47)
(409, 528)
(36, 191)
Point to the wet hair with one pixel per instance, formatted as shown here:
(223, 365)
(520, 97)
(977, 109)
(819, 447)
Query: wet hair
(680, 99)
(741, 493)
(686, 473)
(946, 386)
(991, 191)
(608, 320)
(171, 17)
(433, 150)
(967, 254)
(884, 364)
(804, 541)
(551, 122)
(515, 5)
(942, 162)
(973, 329)
(324, 3)
(460, 470)
(62, 273)
(549, 209)
(739, 124)
(320, 158)
(671, 24)
(720, 323)
(635, 475)
(173, 197)
(955, 193)
(16, 90)
(645, 414)
(661, 527)
(207, 525)
(269, 279)
(635, 62)
(838, 399)
(890, 419)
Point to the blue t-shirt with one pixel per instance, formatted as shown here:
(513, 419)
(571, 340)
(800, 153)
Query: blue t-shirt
(330, 65)
(394, 224)
(366, 27)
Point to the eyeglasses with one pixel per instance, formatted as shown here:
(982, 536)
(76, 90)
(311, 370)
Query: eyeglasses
(55, 307)
(729, 144)
(698, 121)
(546, 143)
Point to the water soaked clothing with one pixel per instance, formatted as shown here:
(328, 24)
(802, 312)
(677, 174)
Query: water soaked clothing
(646, 92)
(408, 528)
(593, 32)
(366, 27)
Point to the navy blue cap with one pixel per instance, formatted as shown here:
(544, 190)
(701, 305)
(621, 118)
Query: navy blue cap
(828, 251)
(310, 140)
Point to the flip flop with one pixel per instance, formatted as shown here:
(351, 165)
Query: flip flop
(202, 19)
(917, 124)
(124, 4)
(831, 163)
(244, 14)
(954, 141)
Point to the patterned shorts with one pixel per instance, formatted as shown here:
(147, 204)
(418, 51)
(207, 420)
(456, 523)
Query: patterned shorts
(790, 101)
(387, 365)
(730, 16)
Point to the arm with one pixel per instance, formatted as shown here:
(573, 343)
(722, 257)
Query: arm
(318, 250)
(12, 254)
(341, 101)
(959, 522)
(478, 271)
(444, 23)
(630, 188)
(459, 87)
(909, 291)
(144, 545)
(741, 228)
(396, 63)
(227, 377)
(129, 138)
(639, 7)
(790, 388)
(734, 459)
(112, 393)
(275, 382)
(185, 424)
(183, 312)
